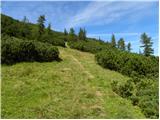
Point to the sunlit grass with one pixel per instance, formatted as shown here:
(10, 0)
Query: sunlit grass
(76, 87)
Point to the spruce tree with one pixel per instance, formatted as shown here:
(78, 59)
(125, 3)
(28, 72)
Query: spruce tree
(41, 26)
(113, 41)
(80, 34)
(72, 35)
(25, 20)
(84, 34)
(121, 44)
(146, 44)
(65, 32)
(129, 47)
(99, 38)
(65, 35)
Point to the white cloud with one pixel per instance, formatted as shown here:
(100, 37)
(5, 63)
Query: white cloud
(116, 34)
(102, 13)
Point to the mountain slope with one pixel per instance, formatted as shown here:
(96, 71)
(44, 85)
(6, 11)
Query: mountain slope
(76, 87)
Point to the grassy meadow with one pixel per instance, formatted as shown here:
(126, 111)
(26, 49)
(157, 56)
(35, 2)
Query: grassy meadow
(75, 87)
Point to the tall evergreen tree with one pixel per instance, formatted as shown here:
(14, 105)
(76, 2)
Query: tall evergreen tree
(25, 20)
(129, 47)
(72, 35)
(113, 41)
(41, 26)
(146, 44)
(65, 34)
(99, 38)
(121, 44)
(82, 34)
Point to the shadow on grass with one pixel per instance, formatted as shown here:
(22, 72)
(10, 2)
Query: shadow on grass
(11, 63)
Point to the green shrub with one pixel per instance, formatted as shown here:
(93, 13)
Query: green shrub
(142, 93)
(46, 52)
(27, 51)
(127, 63)
(10, 50)
(29, 31)
(17, 50)
(89, 45)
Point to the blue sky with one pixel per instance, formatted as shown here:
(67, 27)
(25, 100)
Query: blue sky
(125, 19)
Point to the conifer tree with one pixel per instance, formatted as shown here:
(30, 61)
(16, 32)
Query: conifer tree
(121, 44)
(72, 35)
(65, 34)
(84, 34)
(80, 34)
(41, 26)
(113, 41)
(129, 47)
(25, 20)
(146, 44)
(99, 38)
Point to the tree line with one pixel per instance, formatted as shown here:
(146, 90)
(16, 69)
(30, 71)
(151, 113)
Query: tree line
(39, 32)
(144, 39)
(120, 44)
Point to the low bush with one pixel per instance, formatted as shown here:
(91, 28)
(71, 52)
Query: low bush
(92, 46)
(46, 52)
(143, 93)
(16, 50)
(56, 42)
(128, 63)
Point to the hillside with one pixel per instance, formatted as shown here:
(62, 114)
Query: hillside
(76, 87)
(53, 79)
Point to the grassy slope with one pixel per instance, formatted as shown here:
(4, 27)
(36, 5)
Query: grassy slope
(73, 88)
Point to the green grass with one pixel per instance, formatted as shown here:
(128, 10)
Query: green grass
(76, 87)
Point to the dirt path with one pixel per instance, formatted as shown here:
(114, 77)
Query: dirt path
(82, 67)
(90, 76)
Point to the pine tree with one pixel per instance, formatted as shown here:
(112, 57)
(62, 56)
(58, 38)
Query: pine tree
(65, 35)
(25, 20)
(147, 44)
(80, 34)
(129, 47)
(121, 44)
(113, 41)
(72, 35)
(41, 26)
(99, 38)
(84, 34)
(65, 32)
